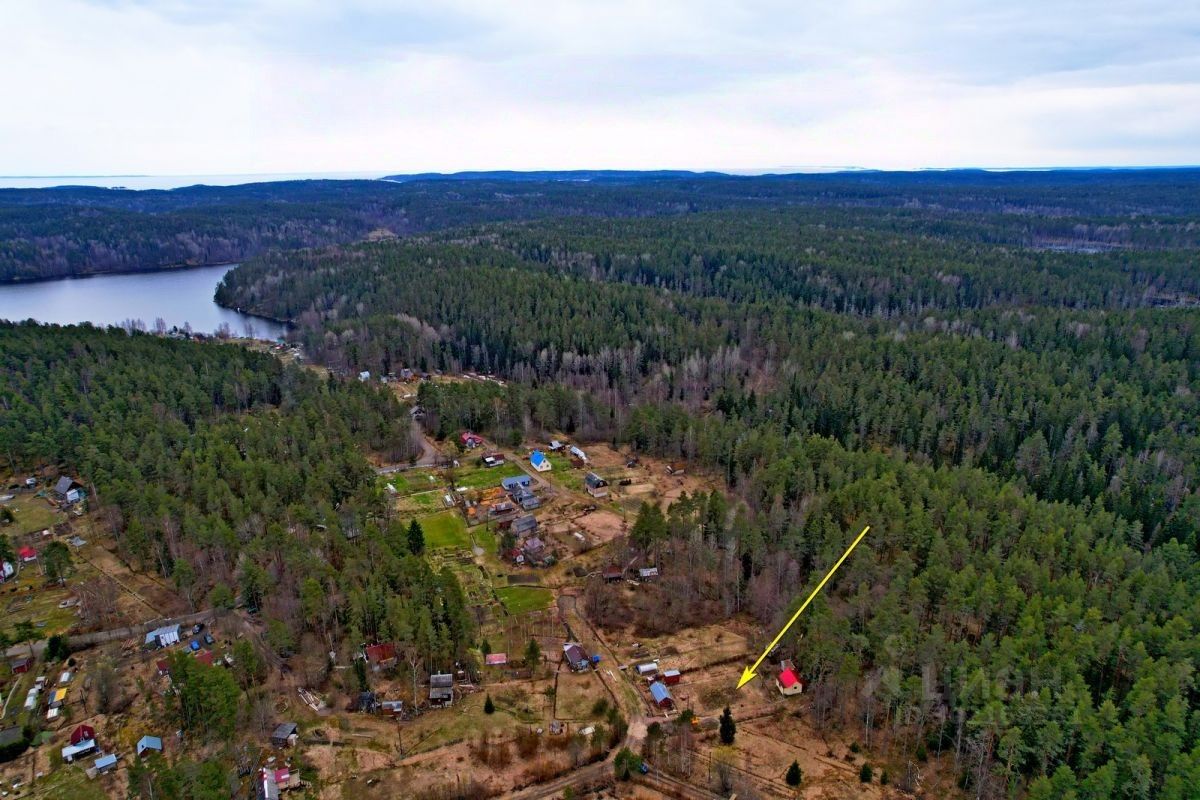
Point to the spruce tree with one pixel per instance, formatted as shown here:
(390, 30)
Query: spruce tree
(728, 727)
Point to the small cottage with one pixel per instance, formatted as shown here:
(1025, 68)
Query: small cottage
(149, 744)
(74, 751)
(471, 440)
(380, 656)
(539, 461)
(285, 734)
(788, 682)
(441, 690)
(576, 657)
(525, 525)
(596, 486)
(661, 695)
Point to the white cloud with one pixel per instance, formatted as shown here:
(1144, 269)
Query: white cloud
(186, 86)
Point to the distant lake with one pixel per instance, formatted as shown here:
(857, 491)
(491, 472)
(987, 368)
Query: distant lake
(179, 297)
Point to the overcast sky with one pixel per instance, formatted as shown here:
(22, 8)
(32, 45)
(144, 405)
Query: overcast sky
(220, 86)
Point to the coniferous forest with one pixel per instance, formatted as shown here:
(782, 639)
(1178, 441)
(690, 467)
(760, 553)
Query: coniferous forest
(999, 374)
(1010, 401)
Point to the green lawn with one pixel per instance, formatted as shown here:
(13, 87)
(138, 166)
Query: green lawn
(473, 477)
(523, 599)
(31, 513)
(447, 529)
(411, 481)
(563, 474)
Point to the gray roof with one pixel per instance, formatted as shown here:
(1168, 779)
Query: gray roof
(441, 681)
(65, 484)
(285, 729)
(10, 735)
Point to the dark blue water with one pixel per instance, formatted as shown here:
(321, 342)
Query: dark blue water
(182, 297)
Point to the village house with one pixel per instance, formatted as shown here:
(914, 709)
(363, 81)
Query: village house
(534, 551)
(578, 457)
(661, 695)
(672, 677)
(27, 554)
(105, 764)
(471, 440)
(493, 460)
(538, 460)
(788, 681)
(82, 733)
(20, 666)
(285, 734)
(596, 486)
(576, 657)
(149, 744)
(68, 490)
(504, 510)
(380, 656)
(516, 482)
(526, 525)
(441, 690)
(78, 750)
(613, 573)
(647, 573)
(556, 445)
(265, 787)
(495, 659)
(165, 636)
(649, 669)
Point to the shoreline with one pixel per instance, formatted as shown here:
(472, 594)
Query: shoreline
(108, 273)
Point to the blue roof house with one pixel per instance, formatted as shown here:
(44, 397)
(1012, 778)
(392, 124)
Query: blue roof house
(538, 460)
(149, 744)
(515, 482)
(661, 695)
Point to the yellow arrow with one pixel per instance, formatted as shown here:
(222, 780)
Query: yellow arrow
(748, 674)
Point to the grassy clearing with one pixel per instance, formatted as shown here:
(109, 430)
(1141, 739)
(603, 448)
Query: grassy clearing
(412, 481)
(577, 694)
(69, 781)
(563, 474)
(462, 721)
(523, 599)
(421, 503)
(447, 529)
(473, 477)
(32, 514)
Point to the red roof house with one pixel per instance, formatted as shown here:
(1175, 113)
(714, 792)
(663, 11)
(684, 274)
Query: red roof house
(27, 553)
(164, 669)
(471, 440)
(82, 733)
(788, 682)
(381, 655)
(495, 659)
(205, 657)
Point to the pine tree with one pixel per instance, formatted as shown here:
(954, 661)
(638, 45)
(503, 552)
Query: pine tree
(488, 706)
(794, 776)
(728, 727)
(865, 773)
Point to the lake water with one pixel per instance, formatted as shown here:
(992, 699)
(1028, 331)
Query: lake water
(179, 297)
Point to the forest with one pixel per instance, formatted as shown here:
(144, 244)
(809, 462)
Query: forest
(1018, 421)
(242, 481)
(75, 230)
